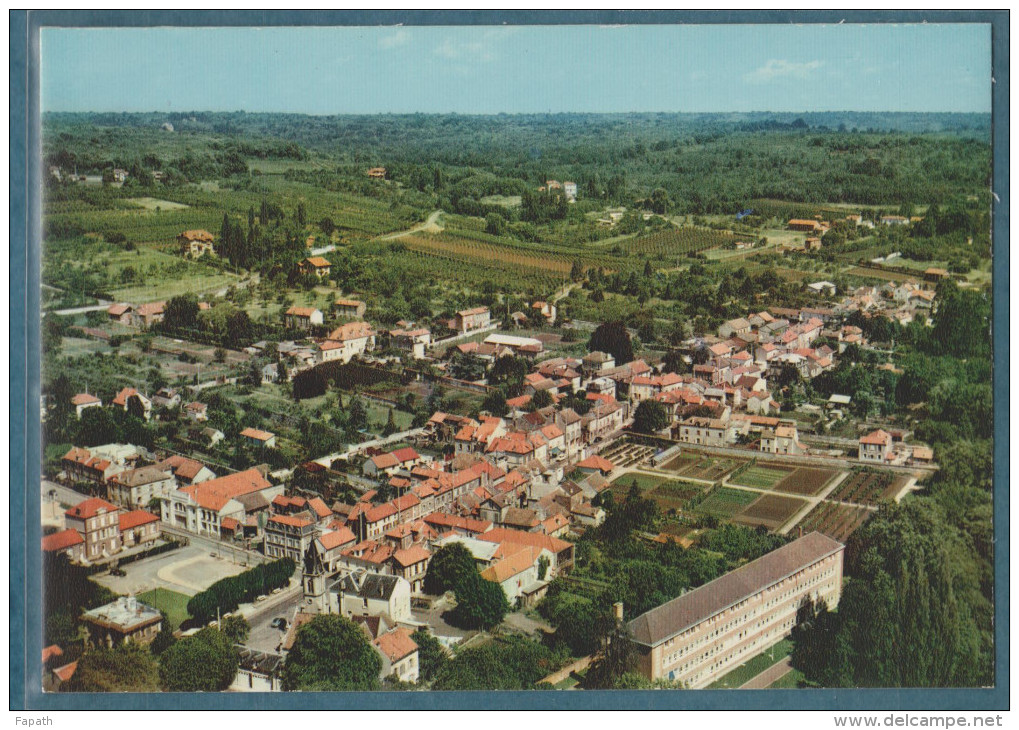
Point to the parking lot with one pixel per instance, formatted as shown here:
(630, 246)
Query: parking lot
(188, 570)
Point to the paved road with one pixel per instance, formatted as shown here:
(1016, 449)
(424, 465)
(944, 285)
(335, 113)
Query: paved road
(100, 307)
(65, 496)
(222, 549)
(263, 637)
(770, 675)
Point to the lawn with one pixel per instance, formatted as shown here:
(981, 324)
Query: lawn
(789, 680)
(645, 482)
(726, 502)
(754, 666)
(173, 604)
(762, 477)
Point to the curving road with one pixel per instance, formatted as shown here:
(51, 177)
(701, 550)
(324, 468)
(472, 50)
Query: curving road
(431, 225)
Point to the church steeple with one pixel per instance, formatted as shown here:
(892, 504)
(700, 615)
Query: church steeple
(314, 579)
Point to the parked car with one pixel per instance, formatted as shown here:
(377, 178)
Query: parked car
(279, 623)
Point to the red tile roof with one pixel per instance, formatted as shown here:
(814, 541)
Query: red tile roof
(90, 508)
(61, 540)
(879, 437)
(534, 539)
(290, 520)
(84, 399)
(136, 518)
(65, 672)
(301, 311)
(50, 652)
(396, 644)
(337, 538)
(594, 461)
(406, 454)
(197, 235)
(412, 555)
(257, 434)
(215, 493)
(320, 508)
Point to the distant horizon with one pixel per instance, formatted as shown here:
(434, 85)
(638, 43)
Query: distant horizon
(491, 70)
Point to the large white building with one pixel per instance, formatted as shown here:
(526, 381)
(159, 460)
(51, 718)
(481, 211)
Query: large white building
(704, 633)
(213, 508)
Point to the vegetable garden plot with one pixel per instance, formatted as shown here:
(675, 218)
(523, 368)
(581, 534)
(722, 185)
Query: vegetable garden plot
(770, 510)
(805, 481)
(725, 502)
(763, 477)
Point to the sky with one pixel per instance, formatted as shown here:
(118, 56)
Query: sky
(520, 69)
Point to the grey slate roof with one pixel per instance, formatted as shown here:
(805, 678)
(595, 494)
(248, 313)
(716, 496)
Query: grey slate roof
(691, 608)
(373, 585)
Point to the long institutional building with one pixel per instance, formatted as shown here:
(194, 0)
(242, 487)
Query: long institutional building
(699, 636)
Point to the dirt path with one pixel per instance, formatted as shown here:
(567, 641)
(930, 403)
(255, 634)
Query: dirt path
(431, 225)
(770, 675)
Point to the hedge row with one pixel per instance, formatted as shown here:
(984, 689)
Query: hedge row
(227, 594)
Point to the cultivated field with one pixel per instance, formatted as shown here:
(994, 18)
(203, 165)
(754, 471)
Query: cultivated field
(674, 495)
(763, 477)
(645, 483)
(838, 521)
(710, 468)
(867, 487)
(679, 463)
(770, 510)
(724, 503)
(805, 481)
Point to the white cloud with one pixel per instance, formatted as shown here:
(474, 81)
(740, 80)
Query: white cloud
(399, 38)
(779, 69)
(479, 48)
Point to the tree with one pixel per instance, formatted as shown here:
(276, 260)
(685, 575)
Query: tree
(612, 337)
(617, 659)
(97, 426)
(236, 628)
(650, 417)
(181, 312)
(432, 655)
(541, 399)
(332, 654)
(495, 403)
(480, 604)
(205, 662)
(913, 615)
(451, 566)
(390, 427)
(125, 668)
(165, 638)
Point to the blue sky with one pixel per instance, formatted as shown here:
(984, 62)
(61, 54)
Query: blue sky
(492, 69)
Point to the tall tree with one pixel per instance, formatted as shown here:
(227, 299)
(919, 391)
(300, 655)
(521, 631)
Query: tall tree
(331, 654)
(612, 337)
(205, 662)
(125, 668)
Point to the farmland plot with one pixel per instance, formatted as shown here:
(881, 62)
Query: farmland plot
(770, 510)
(866, 487)
(805, 481)
(763, 477)
(725, 502)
